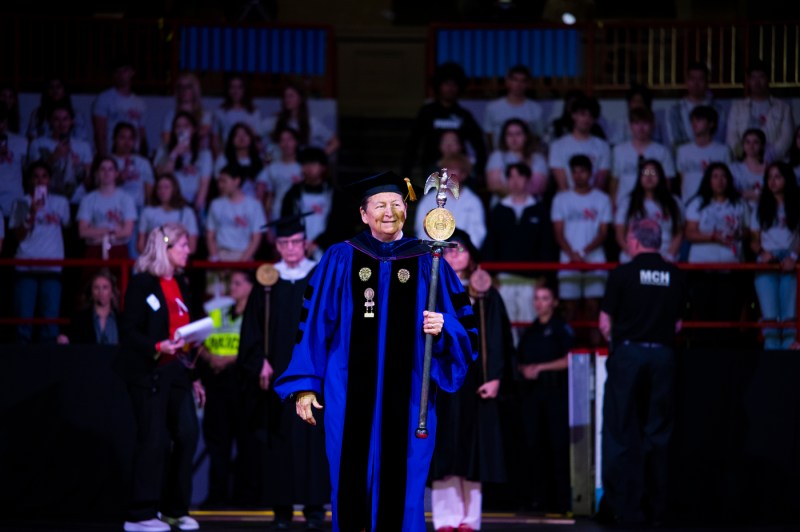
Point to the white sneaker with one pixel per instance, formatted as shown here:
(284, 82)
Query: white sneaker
(151, 525)
(183, 523)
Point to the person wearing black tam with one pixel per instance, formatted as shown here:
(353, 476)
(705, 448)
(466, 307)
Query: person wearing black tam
(469, 449)
(289, 454)
(359, 351)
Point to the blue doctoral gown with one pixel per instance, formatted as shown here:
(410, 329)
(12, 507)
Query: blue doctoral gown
(367, 367)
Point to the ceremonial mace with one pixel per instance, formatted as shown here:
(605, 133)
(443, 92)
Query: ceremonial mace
(439, 226)
(267, 276)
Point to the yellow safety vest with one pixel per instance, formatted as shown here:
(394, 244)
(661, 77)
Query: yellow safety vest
(224, 340)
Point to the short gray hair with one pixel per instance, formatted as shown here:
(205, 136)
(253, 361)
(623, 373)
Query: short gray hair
(647, 232)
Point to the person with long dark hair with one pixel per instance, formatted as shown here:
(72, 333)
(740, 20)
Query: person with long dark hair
(717, 226)
(243, 155)
(237, 106)
(651, 198)
(158, 371)
(517, 144)
(775, 227)
(294, 113)
(183, 157)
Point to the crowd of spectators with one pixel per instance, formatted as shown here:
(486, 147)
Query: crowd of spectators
(722, 184)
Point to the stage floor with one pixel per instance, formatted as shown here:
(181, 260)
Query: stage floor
(232, 521)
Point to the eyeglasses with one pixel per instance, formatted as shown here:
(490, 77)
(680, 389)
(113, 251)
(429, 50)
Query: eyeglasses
(286, 242)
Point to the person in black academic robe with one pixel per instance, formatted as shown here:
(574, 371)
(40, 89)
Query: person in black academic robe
(469, 450)
(295, 468)
(544, 405)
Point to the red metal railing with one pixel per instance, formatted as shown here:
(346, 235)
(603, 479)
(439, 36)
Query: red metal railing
(124, 266)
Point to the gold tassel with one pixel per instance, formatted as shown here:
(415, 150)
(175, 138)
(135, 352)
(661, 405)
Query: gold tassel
(411, 194)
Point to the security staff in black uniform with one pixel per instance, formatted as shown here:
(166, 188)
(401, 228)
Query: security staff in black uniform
(639, 316)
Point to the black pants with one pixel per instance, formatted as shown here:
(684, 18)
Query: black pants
(544, 407)
(228, 420)
(167, 431)
(637, 426)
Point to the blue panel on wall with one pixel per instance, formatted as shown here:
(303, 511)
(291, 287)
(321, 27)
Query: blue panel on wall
(491, 52)
(250, 39)
(216, 46)
(298, 51)
(442, 46)
(264, 50)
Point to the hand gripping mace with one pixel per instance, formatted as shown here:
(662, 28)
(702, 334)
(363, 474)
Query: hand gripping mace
(439, 226)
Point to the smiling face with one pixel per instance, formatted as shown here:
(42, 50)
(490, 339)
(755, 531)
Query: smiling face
(385, 214)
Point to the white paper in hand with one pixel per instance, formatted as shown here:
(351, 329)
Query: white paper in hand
(195, 332)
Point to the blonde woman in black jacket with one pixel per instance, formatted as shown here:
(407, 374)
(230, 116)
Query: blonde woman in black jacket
(160, 384)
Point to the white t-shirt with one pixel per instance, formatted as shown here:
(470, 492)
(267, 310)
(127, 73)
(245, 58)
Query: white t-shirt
(12, 161)
(777, 237)
(626, 164)
(500, 110)
(234, 223)
(467, 209)
(652, 212)
(135, 172)
(723, 217)
(747, 181)
(248, 185)
(116, 107)
(107, 211)
(225, 119)
(562, 150)
(692, 160)
(45, 239)
(190, 174)
(319, 203)
(278, 177)
(582, 214)
(153, 217)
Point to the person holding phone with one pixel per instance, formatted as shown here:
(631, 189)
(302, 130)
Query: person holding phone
(160, 384)
(38, 220)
